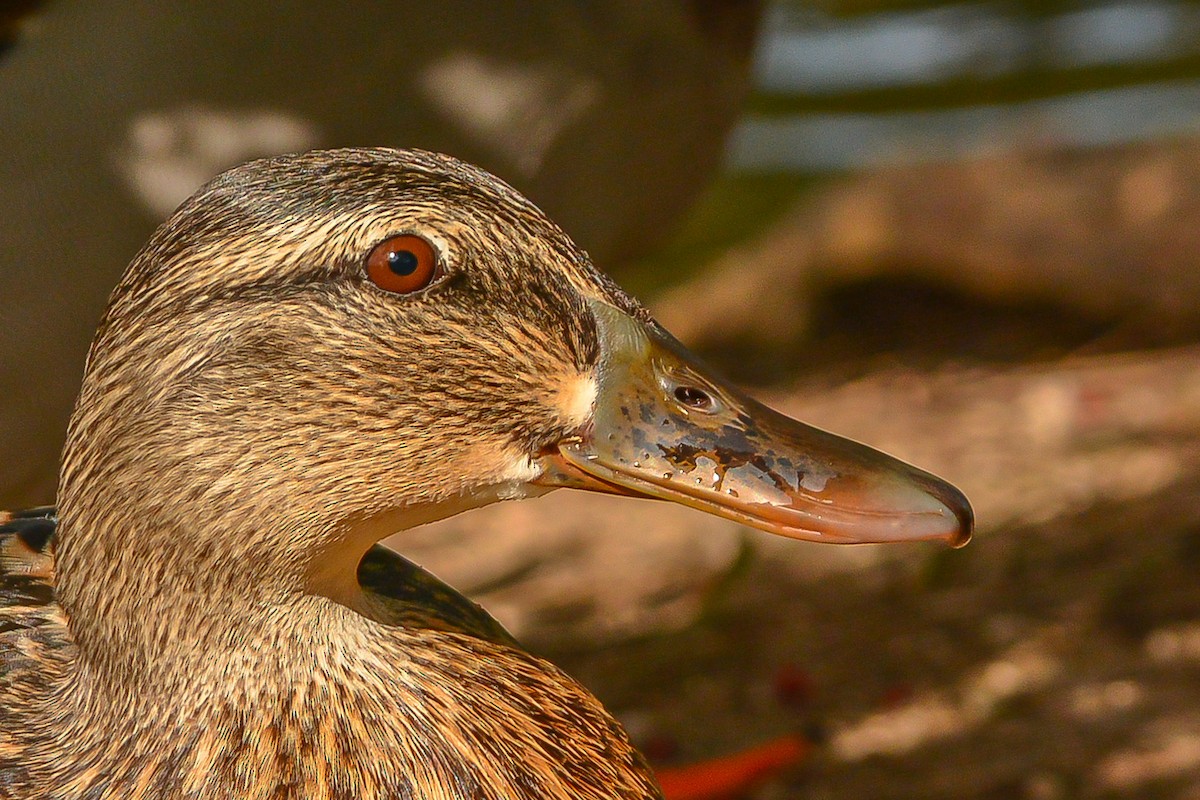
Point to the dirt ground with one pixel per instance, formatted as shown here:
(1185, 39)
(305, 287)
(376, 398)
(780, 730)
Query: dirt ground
(1056, 662)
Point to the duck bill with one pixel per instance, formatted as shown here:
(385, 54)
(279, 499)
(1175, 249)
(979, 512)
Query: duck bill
(662, 427)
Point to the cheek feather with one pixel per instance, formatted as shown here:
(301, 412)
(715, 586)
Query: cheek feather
(576, 399)
(519, 470)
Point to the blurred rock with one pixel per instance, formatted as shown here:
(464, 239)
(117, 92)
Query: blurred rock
(1107, 233)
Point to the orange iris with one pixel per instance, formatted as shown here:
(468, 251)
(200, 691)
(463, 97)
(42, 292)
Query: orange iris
(403, 264)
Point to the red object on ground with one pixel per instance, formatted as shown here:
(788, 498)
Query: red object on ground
(731, 776)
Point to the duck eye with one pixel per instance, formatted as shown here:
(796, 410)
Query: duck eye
(694, 397)
(403, 264)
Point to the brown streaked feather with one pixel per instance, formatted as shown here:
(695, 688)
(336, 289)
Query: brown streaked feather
(413, 597)
(26, 569)
(463, 647)
(34, 641)
(208, 619)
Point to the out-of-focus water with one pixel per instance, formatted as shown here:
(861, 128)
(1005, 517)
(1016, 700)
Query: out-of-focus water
(865, 89)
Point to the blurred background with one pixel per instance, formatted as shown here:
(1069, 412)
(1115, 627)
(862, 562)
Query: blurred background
(966, 233)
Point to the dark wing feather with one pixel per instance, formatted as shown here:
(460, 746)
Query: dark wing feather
(416, 599)
(26, 568)
(34, 640)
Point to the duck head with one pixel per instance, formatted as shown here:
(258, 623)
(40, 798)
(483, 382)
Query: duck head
(318, 350)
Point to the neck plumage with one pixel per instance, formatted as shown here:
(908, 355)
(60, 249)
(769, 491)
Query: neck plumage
(148, 585)
(231, 675)
(314, 700)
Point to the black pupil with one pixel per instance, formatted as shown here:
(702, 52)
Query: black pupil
(403, 262)
(691, 396)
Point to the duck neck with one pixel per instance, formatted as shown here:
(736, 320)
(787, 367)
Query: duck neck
(145, 600)
(149, 588)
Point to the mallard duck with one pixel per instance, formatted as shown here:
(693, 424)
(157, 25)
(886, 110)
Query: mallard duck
(312, 353)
